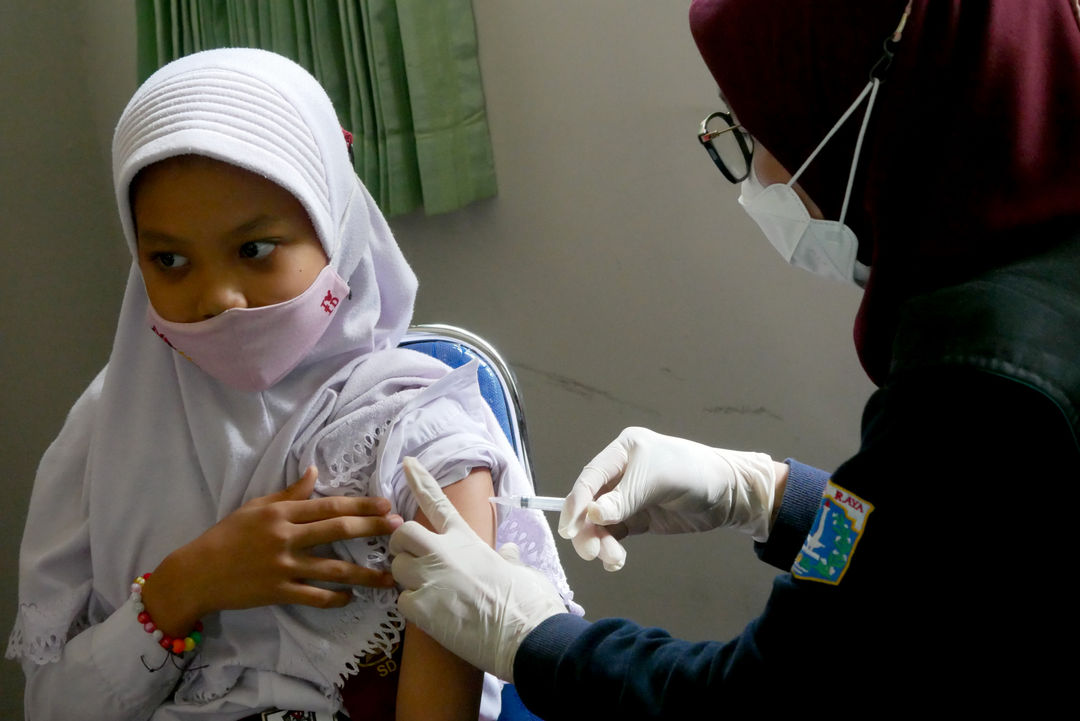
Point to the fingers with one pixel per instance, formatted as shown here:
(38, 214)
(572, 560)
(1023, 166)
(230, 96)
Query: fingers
(510, 552)
(608, 508)
(598, 542)
(416, 556)
(304, 487)
(409, 608)
(598, 479)
(298, 491)
(573, 511)
(433, 502)
(318, 509)
(332, 570)
(406, 570)
(413, 539)
(586, 543)
(606, 467)
(612, 554)
(308, 595)
(343, 528)
(599, 474)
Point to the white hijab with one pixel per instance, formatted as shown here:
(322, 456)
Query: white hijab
(156, 451)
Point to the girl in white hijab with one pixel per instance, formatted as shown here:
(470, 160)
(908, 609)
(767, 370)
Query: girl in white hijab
(256, 346)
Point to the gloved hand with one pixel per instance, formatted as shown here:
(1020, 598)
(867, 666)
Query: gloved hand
(647, 482)
(477, 603)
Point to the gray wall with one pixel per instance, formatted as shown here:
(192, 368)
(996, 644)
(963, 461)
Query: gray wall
(615, 270)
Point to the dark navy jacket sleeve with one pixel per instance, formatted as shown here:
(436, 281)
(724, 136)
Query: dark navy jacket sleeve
(955, 559)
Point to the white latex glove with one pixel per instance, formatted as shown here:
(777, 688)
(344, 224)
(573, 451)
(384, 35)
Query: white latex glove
(479, 604)
(647, 482)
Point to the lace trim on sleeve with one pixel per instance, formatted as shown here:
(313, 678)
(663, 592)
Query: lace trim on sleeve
(41, 631)
(530, 532)
(354, 467)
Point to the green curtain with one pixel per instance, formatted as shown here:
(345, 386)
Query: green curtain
(403, 75)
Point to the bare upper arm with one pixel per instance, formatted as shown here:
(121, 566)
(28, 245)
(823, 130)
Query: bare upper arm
(470, 497)
(435, 685)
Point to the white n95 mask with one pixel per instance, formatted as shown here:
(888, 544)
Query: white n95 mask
(251, 349)
(824, 247)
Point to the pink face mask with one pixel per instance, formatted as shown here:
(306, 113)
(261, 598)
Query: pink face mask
(251, 349)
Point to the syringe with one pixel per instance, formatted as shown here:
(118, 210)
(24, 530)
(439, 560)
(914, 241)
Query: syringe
(539, 503)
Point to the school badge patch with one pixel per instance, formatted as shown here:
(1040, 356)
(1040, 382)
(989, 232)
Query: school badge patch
(837, 528)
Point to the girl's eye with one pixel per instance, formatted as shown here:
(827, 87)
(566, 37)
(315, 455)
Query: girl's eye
(257, 249)
(170, 260)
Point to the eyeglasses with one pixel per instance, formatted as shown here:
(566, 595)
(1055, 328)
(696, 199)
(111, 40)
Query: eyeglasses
(728, 144)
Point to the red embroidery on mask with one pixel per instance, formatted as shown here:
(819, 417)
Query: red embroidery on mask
(169, 343)
(329, 303)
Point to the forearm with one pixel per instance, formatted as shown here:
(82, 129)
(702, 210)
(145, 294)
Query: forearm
(797, 500)
(781, 470)
(435, 685)
(101, 675)
(171, 599)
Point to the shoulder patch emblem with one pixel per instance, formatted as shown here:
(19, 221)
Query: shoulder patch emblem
(837, 528)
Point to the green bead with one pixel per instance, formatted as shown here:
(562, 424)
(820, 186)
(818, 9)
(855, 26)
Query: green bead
(195, 636)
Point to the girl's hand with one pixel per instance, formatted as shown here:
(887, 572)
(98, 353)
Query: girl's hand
(259, 555)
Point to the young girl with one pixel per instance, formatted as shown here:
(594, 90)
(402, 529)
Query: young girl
(256, 346)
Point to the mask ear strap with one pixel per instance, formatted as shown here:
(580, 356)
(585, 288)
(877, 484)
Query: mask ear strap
(875, 83)
(876, 75)
(839, 123)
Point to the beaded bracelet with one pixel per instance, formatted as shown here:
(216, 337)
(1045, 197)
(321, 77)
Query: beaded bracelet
(174, 645)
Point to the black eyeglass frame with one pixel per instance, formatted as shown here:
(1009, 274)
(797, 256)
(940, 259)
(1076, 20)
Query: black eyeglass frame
(743, 139)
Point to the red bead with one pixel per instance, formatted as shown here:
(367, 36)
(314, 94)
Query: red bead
(143, 617)
(146, 576)
(178, 645)
(165, 642)
(198, 626)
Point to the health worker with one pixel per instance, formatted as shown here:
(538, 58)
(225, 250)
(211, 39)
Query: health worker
(928, 151)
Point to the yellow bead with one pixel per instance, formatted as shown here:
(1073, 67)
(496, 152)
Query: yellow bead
(189, 643)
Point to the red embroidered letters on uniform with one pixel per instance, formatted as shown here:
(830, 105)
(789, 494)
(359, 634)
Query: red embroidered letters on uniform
(848, 501)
